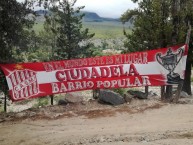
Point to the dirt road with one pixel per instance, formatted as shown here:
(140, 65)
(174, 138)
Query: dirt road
(166, 124)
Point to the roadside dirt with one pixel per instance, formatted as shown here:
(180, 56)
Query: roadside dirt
(142, 122)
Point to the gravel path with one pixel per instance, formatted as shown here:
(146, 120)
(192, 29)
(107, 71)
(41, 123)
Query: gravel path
(141, 122)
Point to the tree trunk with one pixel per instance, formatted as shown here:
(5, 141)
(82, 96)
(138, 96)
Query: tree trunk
(187, 80)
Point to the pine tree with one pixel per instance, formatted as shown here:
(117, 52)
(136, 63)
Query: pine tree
(71, 39)
(14, 22)
(151, 27)
(159, 23)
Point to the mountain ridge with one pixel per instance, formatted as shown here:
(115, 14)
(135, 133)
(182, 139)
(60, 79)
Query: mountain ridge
(89, 16)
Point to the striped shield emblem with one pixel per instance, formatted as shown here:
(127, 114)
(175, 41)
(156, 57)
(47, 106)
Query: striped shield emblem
(24, 84)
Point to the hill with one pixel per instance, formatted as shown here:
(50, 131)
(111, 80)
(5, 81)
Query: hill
(94, 17)
(89, 16)
(102, 27)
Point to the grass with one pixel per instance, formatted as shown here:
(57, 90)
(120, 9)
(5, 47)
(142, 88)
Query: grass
(102, 30)
(38, 27)
(42, 101)
(105, 30)
(120, 91)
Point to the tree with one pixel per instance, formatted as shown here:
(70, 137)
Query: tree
(71, 40)
(157, 24)
(49, 33)
(14, 22)
(186, 7)
(15, 19)
(152, 27)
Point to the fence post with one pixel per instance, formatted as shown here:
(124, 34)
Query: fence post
(52, 99)
(96, 93)
(146, 90)
(163, 93)
(5, 103)
(179, 89)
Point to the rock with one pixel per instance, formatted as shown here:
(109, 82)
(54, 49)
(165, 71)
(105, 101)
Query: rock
(20, 114)
(128, 98)
(184, 94)
(152, 94)
(31, 114)
(111, 97)
(62, 102)
(96, 94)
(84, 103)
(73, 97)
(2, 120)
(138, 94)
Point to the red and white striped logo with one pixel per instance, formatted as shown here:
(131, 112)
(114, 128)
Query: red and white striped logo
(24, 83)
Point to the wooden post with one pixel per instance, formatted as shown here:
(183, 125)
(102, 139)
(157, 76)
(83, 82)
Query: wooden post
(4, 89)
(5, 103)
(163, 93)
(169, 95)
(179, 88)
(52, 99)
(146, 90)
(96, 93)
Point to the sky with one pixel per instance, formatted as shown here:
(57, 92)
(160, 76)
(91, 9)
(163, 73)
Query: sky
(106, 8)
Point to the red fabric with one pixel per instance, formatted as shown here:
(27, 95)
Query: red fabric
(31, 80)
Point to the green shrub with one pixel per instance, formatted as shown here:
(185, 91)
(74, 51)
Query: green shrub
(120, 91)
(43, 101)
(58, 97)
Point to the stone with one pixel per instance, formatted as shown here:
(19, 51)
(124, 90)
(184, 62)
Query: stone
(128, 98)
(152, 94)
(184, 94)
(138, 94)
(20, 114)
(62, 102)
(74, 97)
(110, 97)
(31, 114)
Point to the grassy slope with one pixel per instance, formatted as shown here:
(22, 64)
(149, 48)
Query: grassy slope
(105, 29)
(102, 30)
(38, 27)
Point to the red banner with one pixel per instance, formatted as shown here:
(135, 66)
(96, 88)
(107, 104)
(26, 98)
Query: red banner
(158, 67)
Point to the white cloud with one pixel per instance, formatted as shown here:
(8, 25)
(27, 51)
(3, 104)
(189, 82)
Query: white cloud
(20, 0)
(107, 8)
